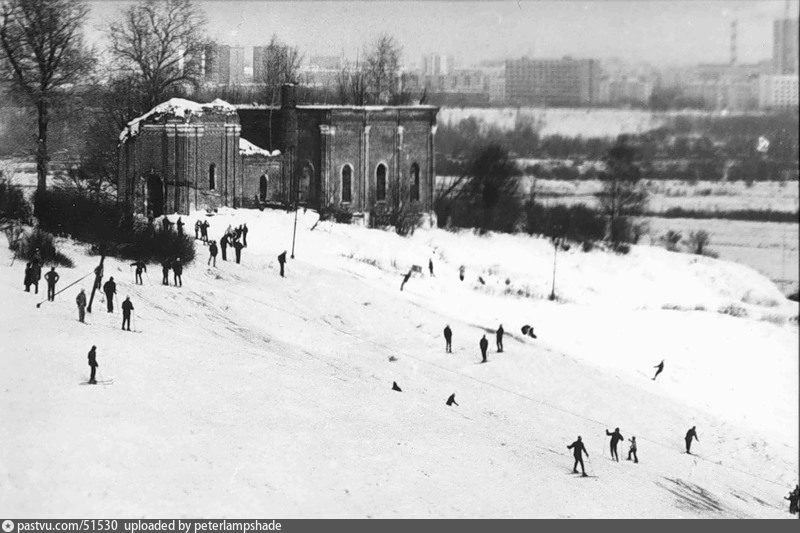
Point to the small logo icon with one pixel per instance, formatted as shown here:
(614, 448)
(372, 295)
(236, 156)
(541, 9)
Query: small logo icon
(8, 526)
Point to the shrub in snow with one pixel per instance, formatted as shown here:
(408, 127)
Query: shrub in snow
(671, 239)
(44, 242)
(698, 240)
(733, 310)
(13, 205)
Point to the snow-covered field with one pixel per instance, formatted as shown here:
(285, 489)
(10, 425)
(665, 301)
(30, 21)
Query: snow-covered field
(249, 394)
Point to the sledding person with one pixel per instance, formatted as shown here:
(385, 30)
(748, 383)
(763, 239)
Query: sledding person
(691, 434)
(165, 267)
(81, 301)
(405, 279)
(448, 339)
(177, 269)
(110, 288)
(180, 226)
(140, 266)
(500, 333)
(197, 229)
(660, 368)
(127, 307)
(452, 400)
(93, 364)
(616, 436)
(52, 278)
(28, 276)
(237, 247)
(212, 253)
(484, 344)
(578, 449)
(282, 261)
(223, 244)
(632, 450)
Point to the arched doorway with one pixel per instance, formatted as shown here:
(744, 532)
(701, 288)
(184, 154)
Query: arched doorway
(305, 184)
(262, 188)
(155, 195)
(414, 182)
(380, 182)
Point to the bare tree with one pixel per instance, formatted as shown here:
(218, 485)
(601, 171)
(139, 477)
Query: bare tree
(160, 44)
(381, 66)
(351, 85)
(622, 194)
(280, 65)
(42, 50)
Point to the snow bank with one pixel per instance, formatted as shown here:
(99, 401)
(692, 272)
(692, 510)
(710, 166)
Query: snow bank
(248, 148)
(177, 107)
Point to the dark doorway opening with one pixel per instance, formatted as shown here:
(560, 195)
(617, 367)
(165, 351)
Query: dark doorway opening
(155, 195)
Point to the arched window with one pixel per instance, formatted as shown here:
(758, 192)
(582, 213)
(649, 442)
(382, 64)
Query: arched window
(380, 182)
(414, 182)
(212, 177)
(347, 184)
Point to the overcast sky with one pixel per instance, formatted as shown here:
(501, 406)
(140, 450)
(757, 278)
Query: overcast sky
(661, 32)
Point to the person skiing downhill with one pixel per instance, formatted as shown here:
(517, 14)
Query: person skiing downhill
(484, 344)
(448, 339)
(204, 230)
(632, 450)
(93, 364)
(578, 449)
(127, 307)
(51, 278)
(81, 301)
(110, 288)
(140, 267)
(500, 333)
(660, 368)
(212, 253)
(616, 436)
(691, 434)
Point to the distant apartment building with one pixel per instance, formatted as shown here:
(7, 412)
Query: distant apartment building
(556, 82)
(624, 91)
(216, 64)
(778, 91)
(784, 46)
(325, 62)
(434, 71)
(725, 86)
(237, 74)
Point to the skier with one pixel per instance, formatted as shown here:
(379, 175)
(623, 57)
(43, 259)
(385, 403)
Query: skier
(500, 333)
(223, 244)
(461, 272)
(448, 338)
(127, 307)
(632, 450)
(660, 367)
(405, 280)
(616, 436)
(430, 266)
(81, 301)
(110, 288)
(36, 273)
(52, 278)
(140, 266)
(452, 400)
(484, 344)
(28, 277)
(282, 261)
(180, 226)
(212, 253)
(244, 234)
(578, 449)
(93, 364)
(165, 266)
(396, 387)
(691, 434)
(204, 230)
(177, 269)
(196, 229)
(237, 246)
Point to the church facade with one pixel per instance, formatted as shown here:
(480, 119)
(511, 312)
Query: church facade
(366, 160)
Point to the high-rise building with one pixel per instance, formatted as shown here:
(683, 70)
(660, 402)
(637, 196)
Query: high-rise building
(216, 64)
(562, 82)
(784, 46)
(237, 65)
(778, 91)
(259, 59)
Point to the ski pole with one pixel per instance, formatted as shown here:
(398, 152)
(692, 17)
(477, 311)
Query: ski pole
(62, 290)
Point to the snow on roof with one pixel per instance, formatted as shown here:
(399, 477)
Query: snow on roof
(178, 107)
(248, 148)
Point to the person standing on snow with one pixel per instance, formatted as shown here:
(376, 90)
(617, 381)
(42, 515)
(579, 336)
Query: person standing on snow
(632, 451)
(52, 278)
(180, 226)
(616, 436)
(223, 244)
(177, 269)
(430, 266)
(140, 266)
(28, 276)
(237, 246)
(500, 333)
(660, 368)
(110, 288)
(461, 272)
(165, 272)
(244, 234)
(578, 449)
(127, 307)
(448, 339)
(204, 230)
(93, 364)
(484, 344)
(212, 253)
(81, 301)
(36, 273)
(196, 229)
(691, 434)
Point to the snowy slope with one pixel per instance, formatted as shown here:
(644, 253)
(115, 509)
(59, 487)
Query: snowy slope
(246, 394)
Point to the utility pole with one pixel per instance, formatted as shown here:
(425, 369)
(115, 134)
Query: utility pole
(294, 231)
(556, 242)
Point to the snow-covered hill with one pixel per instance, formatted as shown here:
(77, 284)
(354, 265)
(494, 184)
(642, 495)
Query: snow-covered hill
(248, 394)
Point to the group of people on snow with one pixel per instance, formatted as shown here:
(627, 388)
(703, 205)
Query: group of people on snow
(483, 343)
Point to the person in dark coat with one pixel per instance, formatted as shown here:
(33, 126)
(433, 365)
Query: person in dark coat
(140, 266)
(430, 266)
(237, 246)
(177, 269)
(197, 229)
(632, 451)
(484, 344)
(448, 339)
(110, 288)
(93, 364)
(36, 274)
(223, 245)
(660, 368)
(165, 223)
(28, 276)
(212, 253)
(244, 235)
(51, 278)
(127, 307)
(81, 301)
(452, 400)
(616, 436)
(282, 261)
(578, 449)
(204, 230)
(461, 272)
(180, 226)
(405, 279)
(793, 500)
(165, 267)
(500, 333)
(396, 387)
(691, 434)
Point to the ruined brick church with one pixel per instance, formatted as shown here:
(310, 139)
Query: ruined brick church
(182, 156)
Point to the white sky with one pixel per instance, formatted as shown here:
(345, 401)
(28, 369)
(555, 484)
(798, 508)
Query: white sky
(662, 32)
